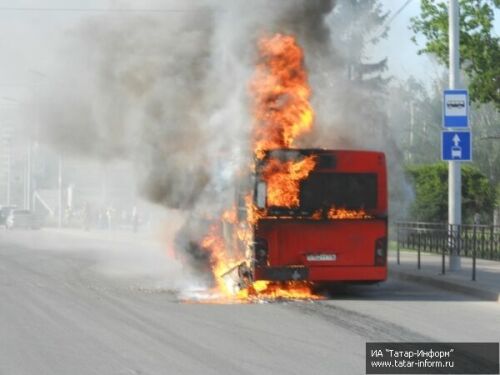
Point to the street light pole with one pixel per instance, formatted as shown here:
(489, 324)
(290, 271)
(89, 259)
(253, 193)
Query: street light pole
(9, 162)
(60, 194)
(7, 143)
(454, 172)
(27, 178)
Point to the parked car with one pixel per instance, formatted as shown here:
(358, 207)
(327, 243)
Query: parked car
(5, 212)
(23, 219)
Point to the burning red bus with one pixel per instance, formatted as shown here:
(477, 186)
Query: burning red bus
(307, 215)
(328, 225)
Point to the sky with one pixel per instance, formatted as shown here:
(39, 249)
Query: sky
(30, 42)
(403, 59)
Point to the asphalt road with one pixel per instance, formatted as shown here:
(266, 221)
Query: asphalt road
(104, 304)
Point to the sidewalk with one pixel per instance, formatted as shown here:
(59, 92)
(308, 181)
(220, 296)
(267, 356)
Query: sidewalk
(486, 286)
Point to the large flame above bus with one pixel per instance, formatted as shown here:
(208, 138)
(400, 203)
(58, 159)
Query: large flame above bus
(280, 92)
(282, 112)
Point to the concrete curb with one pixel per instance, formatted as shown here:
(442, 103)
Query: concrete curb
(448, 285)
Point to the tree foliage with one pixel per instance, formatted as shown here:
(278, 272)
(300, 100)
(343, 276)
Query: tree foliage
(479, 47)
(431, 193)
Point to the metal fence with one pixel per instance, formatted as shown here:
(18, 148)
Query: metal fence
(475, 241)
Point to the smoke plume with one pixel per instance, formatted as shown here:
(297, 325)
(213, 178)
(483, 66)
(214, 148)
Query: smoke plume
(169, 92)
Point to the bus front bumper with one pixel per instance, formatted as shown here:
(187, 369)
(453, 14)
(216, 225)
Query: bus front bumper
(322, 273)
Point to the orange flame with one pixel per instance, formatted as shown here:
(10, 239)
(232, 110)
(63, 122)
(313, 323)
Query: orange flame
(342, 213)
(282, 113)
(213, 242)
(253, 213)
(283, 180)
(230, 216)
(259, 290)
(279, 290)
(281, 95)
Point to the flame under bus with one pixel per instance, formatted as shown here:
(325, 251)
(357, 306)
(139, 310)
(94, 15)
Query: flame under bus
(336, 229)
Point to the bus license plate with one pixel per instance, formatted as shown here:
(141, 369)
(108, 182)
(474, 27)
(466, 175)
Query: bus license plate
(321, 257)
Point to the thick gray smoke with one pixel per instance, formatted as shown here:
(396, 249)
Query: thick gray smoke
(169, 91)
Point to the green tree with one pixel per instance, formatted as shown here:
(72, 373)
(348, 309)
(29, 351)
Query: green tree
(431, 193)
(479, 47)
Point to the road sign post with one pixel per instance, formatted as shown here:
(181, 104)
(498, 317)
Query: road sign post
(455, 148)
(454, 172)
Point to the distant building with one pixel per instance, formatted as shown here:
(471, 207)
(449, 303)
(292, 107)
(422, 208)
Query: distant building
(13, 166)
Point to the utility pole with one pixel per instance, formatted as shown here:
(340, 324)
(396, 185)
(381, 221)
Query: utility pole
(412, 126)
(454, 172)
(9, 162)
(27, 178)
(60, 194)
(5, 150)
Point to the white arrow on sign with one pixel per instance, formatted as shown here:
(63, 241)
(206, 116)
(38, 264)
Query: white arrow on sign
(456, 140)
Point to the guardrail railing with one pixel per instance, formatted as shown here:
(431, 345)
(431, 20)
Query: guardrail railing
(475, 241)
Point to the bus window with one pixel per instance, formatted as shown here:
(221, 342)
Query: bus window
(343, 190)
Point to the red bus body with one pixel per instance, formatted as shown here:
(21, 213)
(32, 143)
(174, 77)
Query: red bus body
(296, 246)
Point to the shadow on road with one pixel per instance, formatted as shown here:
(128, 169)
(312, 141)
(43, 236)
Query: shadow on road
(391, 290)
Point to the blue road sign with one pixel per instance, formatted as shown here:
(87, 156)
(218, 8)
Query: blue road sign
(456, 146)
(455, 109)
